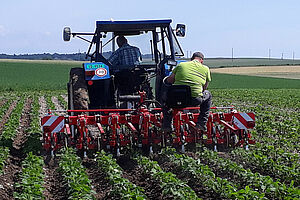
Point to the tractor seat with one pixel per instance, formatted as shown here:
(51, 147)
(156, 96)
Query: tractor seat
(178, 96)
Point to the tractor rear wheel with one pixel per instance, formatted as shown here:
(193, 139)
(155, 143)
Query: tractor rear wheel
(78, 97)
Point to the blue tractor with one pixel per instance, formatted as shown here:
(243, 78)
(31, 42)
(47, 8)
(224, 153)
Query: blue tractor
(99, 84)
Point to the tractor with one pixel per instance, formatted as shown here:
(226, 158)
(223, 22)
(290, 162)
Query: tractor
(116, 107)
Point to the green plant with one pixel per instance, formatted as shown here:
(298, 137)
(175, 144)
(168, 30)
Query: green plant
(32, 178)
(74, 173)
(121, 186)
(170, 184)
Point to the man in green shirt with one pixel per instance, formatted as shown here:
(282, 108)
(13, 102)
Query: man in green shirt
(197, 76)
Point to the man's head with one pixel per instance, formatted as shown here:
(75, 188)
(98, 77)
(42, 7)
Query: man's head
(198, 56)
(121, 40)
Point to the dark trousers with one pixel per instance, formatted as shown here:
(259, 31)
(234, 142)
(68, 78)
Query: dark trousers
(204, 102)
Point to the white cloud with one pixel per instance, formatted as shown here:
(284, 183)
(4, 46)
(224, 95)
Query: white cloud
(3, 30)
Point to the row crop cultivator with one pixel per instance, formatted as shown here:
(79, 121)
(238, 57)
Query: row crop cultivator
(113, 105)
(142, 128)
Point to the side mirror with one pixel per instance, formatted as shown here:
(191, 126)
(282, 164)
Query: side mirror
(180, 30)
(67, 34)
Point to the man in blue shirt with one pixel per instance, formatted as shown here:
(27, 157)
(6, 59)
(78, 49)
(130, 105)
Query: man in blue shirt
(126, 54)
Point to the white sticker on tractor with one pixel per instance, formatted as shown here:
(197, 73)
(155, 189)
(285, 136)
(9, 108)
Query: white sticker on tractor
(101, 72)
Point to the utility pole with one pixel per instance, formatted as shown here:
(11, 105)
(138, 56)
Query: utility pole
(269, 54)
(187, 54)
(293, 55)
(281, 56)
(231, 54)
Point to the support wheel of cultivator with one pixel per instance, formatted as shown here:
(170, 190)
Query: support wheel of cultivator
(78, 97)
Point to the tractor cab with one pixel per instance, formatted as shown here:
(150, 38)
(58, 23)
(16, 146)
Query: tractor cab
(104, 85)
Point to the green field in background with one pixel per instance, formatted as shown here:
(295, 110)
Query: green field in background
(54, 76)
(229, 81)
(34, 75)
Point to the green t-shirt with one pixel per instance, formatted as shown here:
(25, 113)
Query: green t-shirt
(194, 74)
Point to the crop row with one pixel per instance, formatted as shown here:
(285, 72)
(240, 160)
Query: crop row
(171, 185)
(264, 184)
(32, 178)
(4, 152)
(79, 185)
(5, 107)
(62, 101)
(9, 131)
(121, 187)
(287, 99)
(267, 165)
(33, 143)
(280, 156)
(208, 179)
(50, 104)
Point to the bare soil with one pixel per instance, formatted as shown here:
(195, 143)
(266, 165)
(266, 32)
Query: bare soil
(290, 72)
(2, 102)
(58, 106)
(43, 106)
(99, 179)
(55, 186)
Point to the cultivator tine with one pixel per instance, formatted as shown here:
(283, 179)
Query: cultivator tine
(182, 148)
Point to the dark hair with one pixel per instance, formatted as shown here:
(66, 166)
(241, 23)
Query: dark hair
(197, 54)
(121, 40)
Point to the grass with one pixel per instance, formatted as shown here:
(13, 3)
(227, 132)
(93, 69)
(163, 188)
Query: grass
(38, 75)
(230, 81)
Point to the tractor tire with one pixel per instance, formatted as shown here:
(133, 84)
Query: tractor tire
(78, 96)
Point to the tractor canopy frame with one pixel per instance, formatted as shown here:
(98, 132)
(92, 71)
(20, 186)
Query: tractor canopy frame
(126, 28)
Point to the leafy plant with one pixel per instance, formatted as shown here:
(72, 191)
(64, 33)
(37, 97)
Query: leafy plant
(205, 175)
(121, 187)
(32, 178)
(74, 173)
(170, 184)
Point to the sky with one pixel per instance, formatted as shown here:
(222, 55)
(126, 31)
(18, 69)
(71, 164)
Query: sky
(249, 28)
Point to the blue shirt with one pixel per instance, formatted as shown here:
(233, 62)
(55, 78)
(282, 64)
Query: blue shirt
(125, 55)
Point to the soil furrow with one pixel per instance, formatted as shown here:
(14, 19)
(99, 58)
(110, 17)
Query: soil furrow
(14, 162)
(7, 115)
(134, 173)
(58, 106)
(55, 186)
(21, 136)
(2, 102)
(43, 106)
(100, 183)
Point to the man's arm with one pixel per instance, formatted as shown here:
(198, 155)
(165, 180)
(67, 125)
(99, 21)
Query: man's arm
(171, 79)
(113, 59)
(205, 85)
